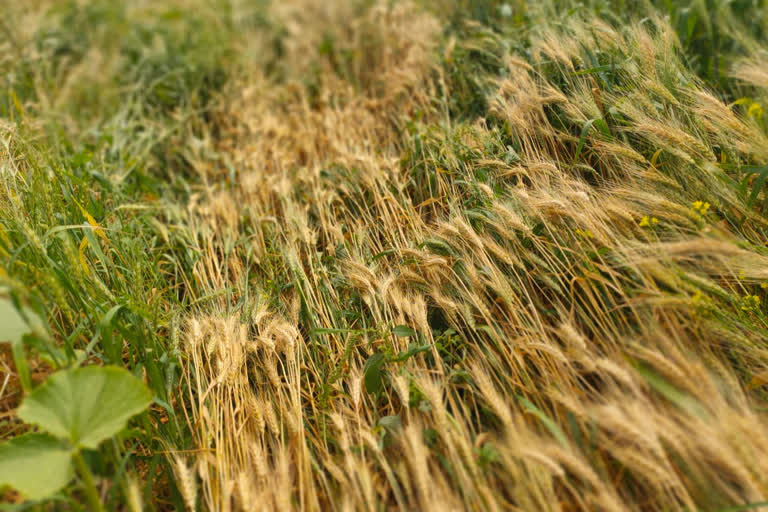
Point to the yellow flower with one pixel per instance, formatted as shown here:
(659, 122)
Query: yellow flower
(750, 302)
(755, 110)
(647, 221)
(701, 206)
(585, 233)
(764, 285)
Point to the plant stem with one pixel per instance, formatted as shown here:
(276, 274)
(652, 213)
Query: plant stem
(94, 502)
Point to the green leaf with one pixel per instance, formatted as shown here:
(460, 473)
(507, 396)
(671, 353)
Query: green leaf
(385, 252)
(438, 246)
(86, 405)
(599, 123)
(403, 331)
(757, 186)
(747, 506)
(546, 420)
(13, 327)
(106, 326)
(36, 465)
(486, 454)
(413, 349)
(332, 330)
(372, 373)
(672, 393)
(596, 69)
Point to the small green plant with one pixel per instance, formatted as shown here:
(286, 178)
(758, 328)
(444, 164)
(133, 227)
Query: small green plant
(74, 409)
(373, 371)
(77, 409)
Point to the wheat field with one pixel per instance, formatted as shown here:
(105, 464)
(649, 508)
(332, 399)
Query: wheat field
(399, 255)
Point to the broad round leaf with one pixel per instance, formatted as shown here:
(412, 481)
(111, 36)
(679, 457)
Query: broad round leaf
(36, 465)
(86, 405)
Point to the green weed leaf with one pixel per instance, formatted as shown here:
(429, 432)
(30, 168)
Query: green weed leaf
(112, 348)
(413, 349)
(36, 465)
(86, 405)
(598, 123)
(757, 186)
(13, 328)
(553, 428)
(403, 331)
(372, 373)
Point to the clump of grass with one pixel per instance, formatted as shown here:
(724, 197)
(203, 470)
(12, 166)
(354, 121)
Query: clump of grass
(92, 172)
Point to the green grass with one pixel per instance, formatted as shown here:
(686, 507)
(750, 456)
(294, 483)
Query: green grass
(94, 175)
